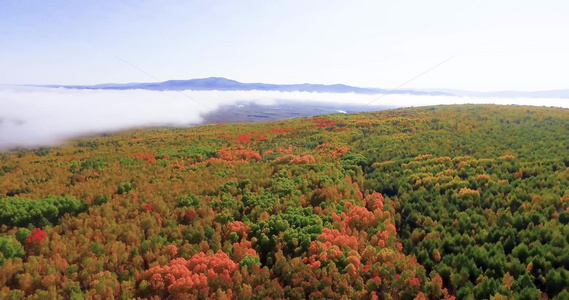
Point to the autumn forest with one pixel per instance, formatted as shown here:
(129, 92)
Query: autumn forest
(441, 202)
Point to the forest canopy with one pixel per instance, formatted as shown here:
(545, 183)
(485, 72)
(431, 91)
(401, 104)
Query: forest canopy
(443, 202)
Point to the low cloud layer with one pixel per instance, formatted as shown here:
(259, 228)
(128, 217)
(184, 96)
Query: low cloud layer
(32, 117)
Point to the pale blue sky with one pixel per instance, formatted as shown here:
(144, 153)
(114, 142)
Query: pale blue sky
(499, 45)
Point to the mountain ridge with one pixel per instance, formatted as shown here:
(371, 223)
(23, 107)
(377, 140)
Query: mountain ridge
(225, 84)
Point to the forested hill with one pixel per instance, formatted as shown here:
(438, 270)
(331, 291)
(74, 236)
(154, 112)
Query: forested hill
(418, 203)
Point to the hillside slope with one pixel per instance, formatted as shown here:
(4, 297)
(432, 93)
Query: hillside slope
(417, 203)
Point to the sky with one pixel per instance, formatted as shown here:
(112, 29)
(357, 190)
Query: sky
(495, 45)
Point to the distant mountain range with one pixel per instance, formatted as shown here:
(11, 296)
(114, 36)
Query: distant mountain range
(224, 84)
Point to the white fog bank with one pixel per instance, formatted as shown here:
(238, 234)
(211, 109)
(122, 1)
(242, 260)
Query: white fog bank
(47, 116)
